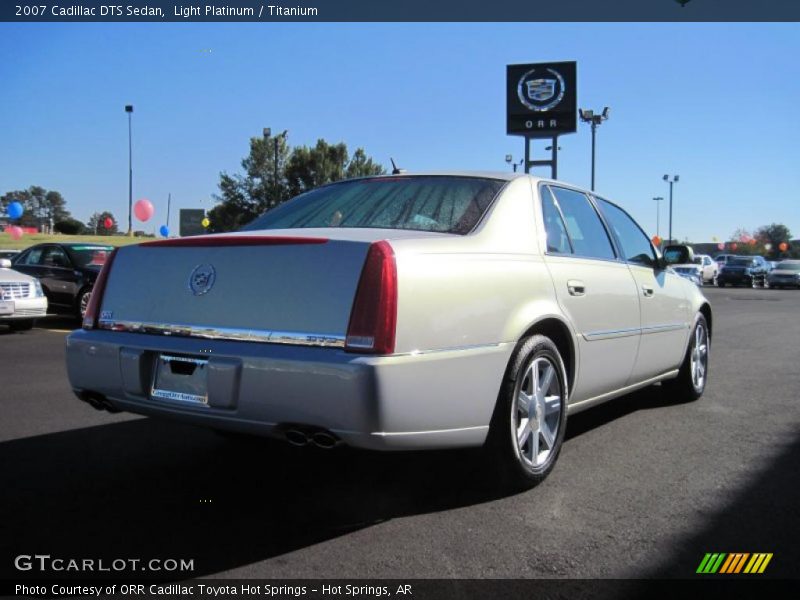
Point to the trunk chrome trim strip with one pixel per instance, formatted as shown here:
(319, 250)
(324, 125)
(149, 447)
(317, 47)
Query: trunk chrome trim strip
(226, 333)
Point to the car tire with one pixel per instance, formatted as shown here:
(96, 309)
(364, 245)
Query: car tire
(22, 324)
(692, 378)
(83, 301)
(523, 446)
(720, 284)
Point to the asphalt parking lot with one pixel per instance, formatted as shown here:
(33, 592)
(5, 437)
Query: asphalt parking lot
(643, 488)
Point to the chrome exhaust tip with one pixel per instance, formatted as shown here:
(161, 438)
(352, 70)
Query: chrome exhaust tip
(325, 440)
(296, 437)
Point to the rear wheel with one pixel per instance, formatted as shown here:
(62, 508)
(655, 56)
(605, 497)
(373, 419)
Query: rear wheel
(22, 324)
(530, 418)
(691, 380)
(720, 284)
(83, 302)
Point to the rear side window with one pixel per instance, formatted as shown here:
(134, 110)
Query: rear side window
(586, 232)
(635, 245)
(426, 203)
(557, 238)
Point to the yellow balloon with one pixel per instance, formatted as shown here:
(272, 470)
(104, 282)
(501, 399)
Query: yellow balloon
(206, 222)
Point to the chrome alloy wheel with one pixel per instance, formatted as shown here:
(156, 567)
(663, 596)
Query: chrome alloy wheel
(84, 303)
(536, 411)
(699, 356)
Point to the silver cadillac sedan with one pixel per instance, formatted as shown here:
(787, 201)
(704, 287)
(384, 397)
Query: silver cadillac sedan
(399, 313)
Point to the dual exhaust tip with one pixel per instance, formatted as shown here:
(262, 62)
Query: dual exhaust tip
(97, 401)
(319, 438)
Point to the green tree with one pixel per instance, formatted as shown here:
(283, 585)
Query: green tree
(773, 234)
(69, 226)
(41, 207)
(97, 224)
(243, 197)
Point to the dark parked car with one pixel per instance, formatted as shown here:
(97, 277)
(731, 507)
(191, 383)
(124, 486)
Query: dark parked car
(67, 272)
(786, 274)
(744, 270)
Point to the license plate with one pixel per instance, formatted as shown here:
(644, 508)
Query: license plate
(181, 378)
(6, 307)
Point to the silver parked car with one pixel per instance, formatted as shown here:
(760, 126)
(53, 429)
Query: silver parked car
(396, 313)
(786, 274)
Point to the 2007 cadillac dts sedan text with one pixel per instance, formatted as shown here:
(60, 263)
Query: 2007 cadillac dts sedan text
(398, 312)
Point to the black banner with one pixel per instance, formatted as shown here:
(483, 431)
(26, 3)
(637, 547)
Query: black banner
(408, 10)
(410, 589)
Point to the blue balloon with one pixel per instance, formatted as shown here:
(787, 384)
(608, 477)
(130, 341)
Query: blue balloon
(164, 231)
(15, 210)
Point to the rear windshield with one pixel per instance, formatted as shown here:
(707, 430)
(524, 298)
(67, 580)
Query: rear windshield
(740, 262)
(424, 203)
(787, 266)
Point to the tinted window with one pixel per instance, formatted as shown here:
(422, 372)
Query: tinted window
(635, 245)
(557, 238)
(89, 256)
(53, 256)
(445, 204)
(31, 257)
(584, 227)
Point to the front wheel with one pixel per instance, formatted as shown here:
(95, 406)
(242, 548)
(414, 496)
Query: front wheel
(530, 417)
(691, 380)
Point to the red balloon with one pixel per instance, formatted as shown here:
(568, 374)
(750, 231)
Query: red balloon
(143, 209)
(656, 240)
(734, 246)
(783, 246)
(15, 232)
(108, 223)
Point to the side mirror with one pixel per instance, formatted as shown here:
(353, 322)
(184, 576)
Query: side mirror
(678, 255)
(5, 263)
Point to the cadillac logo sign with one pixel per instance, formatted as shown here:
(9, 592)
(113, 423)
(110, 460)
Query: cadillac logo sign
(202, 279)
(541, 99)
(541, 93)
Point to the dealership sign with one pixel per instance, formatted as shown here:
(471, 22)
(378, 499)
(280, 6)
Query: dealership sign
(541, 99)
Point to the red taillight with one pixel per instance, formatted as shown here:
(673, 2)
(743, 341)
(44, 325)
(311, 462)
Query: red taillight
(90, 317)
(373, 319)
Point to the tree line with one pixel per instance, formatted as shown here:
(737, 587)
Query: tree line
(273, 172)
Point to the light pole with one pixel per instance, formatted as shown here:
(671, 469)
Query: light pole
(674, 179)
(267, 132)
(129, 110)
(514, 164)
(589, 116)
(658, 200)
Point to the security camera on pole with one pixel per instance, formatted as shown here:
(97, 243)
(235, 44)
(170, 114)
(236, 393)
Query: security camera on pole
(541, 102)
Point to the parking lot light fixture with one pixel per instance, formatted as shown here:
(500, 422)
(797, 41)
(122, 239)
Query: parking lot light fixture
(129, 110)
(594, 119)
(671, 180)
(658, 200)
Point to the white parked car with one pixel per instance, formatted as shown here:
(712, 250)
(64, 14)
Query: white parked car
(22, 300)
(701, 270)
(398, 313)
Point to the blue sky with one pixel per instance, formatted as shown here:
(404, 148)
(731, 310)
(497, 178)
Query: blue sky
(715, 103)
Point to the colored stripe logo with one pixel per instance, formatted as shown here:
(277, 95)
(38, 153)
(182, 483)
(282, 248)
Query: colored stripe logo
(734, 563)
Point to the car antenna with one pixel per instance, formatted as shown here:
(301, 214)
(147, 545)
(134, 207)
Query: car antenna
(395, 170)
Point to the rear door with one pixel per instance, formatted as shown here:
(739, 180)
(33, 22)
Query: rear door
(664, 305)
(594, 289)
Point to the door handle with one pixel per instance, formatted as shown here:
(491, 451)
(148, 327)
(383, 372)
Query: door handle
(576, 288)
(647, 291)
